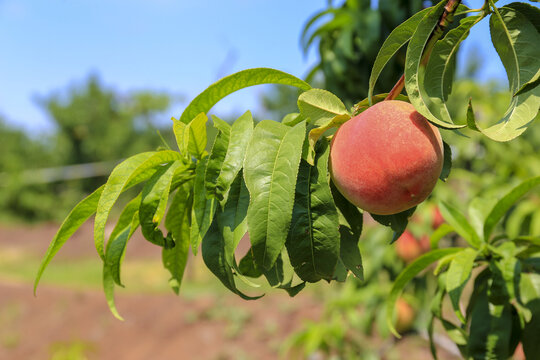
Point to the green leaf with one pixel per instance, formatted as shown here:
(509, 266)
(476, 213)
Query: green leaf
(217, 155)
(155, 195)
(439, 70)
(232, 221)
(80, 213)
(460, 224)
(313, 239)
(321, 106)
(108, 289)
(515, 38)
(413, 73)
(531, 345)
(120, 176)
(196, 135)
(532, 13)
(457, 276)
(241, 132)
(397, 222)
(407, 275)
(204, 208)
(240, 80)
(177, 223)
(447, 162)
(503, 205)
(127, 223)
(248, 267)
(438, 234)
(397, 38)
(350, 215)
(530, 85)
(498, 338)
(213, 253)
(349, 252)
(270, 171)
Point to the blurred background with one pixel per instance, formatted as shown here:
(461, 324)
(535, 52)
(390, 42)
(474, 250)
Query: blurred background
(85, 84)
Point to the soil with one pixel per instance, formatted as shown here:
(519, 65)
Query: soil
(162, 326)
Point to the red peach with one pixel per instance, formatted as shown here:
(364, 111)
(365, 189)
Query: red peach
(407, 247)
(387, 159)
(405, 315)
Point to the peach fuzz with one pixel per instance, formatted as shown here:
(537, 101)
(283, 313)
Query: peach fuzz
(387, 159)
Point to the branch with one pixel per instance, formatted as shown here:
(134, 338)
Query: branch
(446, 18)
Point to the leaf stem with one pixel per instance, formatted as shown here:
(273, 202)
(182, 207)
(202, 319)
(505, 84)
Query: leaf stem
(445, 19)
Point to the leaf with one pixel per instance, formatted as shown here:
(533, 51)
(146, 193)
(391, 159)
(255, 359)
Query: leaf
(531, 84)
(121, 175)
(270, 171)
(531, 345)
(503, 205)
(217, 155)
(204, 208)
(515, 39)
(438, 234)
(232, 221)
(439, 70)
(127, 223)
(80, 213)
(349, 252)
(498, 338)
(177, 223)
(241, 132)
(313, 239)
(240, 80)
(457, 276)
(248, 267)
(108, 289)
(460, 224)
(397, 38)
(320, 106)
(350, 215)
(196, 135)
(213, 254)
(447, 162)
(415, 49)
(397, 222)
(155, 195)
(407, 275)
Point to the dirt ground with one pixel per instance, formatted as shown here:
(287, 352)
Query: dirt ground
(62, 323)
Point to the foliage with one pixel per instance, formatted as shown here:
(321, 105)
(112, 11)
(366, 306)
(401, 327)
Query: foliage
(270, 180)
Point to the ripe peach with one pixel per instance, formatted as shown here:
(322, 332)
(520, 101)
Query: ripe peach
(408, 248)
(405, 315)
(387, 159)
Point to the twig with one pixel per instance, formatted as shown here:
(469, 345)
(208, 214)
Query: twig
(445, 19)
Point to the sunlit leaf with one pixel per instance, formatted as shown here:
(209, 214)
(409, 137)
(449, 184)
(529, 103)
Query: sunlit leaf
(204, 207)
(460, 224)
(240, 80)
(407, 275)
(270, 171)
(457, 276)
(397, 38)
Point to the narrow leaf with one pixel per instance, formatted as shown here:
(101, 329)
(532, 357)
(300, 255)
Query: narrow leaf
(397, 38)
(515, 39)
(213, 253)
(457, 276)
(460, 224)
(270, 171)
(217, 91)
(313, 239)
(407, 275)
(177, 223)
(320, 106)
(217, 155)
(415, 49)
(119, 178)
(503, 205)
(349, 252)
(397, 222)
(241, 132)
(203, 207)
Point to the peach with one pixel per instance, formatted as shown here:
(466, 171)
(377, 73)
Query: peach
(408, 248)
(405, 316)
(387, 159)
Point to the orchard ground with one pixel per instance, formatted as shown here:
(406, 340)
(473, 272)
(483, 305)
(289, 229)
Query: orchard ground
(69, 319)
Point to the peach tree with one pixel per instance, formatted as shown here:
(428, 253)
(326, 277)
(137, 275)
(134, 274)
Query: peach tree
(271, 180)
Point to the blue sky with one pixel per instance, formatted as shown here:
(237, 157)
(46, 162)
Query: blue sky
(177, 46)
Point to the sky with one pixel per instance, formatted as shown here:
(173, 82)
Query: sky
(178, 46)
